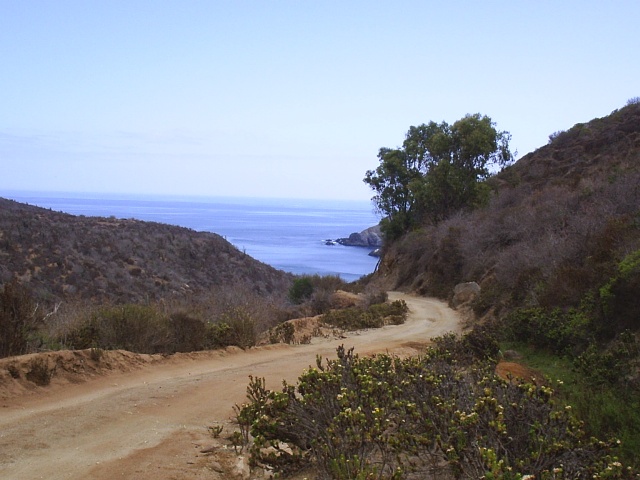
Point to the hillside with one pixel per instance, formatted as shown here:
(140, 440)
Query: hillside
(560, 221)
(57, 255)
(556, 254)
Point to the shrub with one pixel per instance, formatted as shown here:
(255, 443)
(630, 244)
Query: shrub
(614, 365)
(608, 407)
(219, 335)
(301, 290)
(555, 135)
(377, 315)
(188, 334)
(352, 318)
(96, 354)
(320, 302)
(19, 319)
(423, 416)
(313, 293)
(284, 332)
(13, 370)
(373, 297)
(39, 372)
(137, 328)
(620, 296)
(85, 335)
(560, 332)
(242, 331)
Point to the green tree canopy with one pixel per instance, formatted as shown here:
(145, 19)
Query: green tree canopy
(439, 170)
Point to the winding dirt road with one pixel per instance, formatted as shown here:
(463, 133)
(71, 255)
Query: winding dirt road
(151, 423)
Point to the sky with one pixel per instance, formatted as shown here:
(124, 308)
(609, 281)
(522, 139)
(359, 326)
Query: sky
(287, 99)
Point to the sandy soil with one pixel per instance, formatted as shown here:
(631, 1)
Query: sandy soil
(151, 422)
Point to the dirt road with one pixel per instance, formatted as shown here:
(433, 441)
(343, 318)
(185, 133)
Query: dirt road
(151, 423)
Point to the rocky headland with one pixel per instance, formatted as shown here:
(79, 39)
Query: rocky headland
(368, 238)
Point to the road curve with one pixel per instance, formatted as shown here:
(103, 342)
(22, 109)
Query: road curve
(149, 423)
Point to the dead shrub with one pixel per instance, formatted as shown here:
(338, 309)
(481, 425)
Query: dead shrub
(96, 354)
(39, 371)
(188, 334)
(13, 370)
(19, 319)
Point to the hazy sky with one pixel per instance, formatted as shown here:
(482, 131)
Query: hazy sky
(287, 98)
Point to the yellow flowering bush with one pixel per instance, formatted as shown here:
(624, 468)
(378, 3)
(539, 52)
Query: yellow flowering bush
(386, 417)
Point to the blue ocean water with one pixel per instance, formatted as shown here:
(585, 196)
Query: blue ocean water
(287, 234)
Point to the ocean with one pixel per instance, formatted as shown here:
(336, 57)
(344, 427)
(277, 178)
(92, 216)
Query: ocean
(287, 234)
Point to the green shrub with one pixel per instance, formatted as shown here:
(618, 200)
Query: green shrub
(620, 296)
(614, 365)
(352, 318)
(242, 328)
(561, 332)
(219, 335)
(85, 335)
(607, 406)
(301, 290)
(284, 332)
(376, 316)
(425, 416)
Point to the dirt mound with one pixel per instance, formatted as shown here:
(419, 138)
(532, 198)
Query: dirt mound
(28, 374)
(342, 299)
(515, 372)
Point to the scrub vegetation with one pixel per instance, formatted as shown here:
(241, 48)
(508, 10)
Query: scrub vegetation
(444, 414)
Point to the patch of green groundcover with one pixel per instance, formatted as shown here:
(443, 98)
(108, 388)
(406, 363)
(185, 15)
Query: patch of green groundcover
(608, 411)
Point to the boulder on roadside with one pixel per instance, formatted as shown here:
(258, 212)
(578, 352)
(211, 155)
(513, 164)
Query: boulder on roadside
(465, 293)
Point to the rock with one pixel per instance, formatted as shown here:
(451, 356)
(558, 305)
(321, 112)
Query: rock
(511, 355)
(241, 468)
(464, 293)
(216, 467)
(371, 238)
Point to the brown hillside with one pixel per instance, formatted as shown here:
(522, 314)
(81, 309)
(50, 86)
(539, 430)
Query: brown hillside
(59, 255)
(601, 149)
(558, 224)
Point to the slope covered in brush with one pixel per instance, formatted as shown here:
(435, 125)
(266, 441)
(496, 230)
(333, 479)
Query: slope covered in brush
(56, 255)
(559, 224)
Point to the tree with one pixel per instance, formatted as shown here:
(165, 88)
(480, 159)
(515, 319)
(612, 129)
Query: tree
(391, 181)
(439, 170)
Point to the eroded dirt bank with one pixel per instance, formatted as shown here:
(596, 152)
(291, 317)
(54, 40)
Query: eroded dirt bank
(150, 423)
